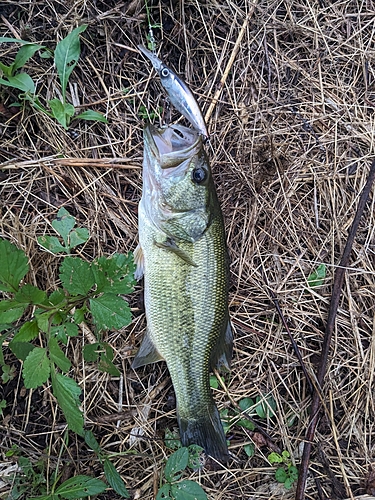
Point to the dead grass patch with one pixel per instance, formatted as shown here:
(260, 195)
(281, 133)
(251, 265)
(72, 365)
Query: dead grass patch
(292, 140)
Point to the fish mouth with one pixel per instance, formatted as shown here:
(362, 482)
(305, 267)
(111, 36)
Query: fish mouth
(173, 144)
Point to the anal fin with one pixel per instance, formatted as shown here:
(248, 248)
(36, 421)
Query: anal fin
(222, 353)
(147, 353)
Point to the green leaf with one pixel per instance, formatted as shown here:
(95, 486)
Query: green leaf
(21, 349)
(265, 407)
(24, 54)
(176, 463)
(280, 475)
(67, 393)
(214, 383)
(92, 115)
(80, 487)
(246, 403)
(79, 315)
(9, 372)
(6, 39)
(293, 472)
(62, 112)
(195, 455)
(288, 483)
(110, 312)
(164, 492)
(36, 368)
(21, 81)
(63, 223)
(76, 276)
(57, 297)
(57, 355)
(30, 294)
(52, 244)
(317, 277)
(114, 479)
(66, 56)
(7, 70)
(90, 352)
(171, 439)
(64, 331)
(249, 449)
(28, 331)
(44, 321)
(78, 236)
(114, 274)
(275, 458)
(10, 311)
(91, 441)
(3, 405)
(188, 490)
(13, 267)
(107, 366)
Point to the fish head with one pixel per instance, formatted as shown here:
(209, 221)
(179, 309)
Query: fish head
(178, 189)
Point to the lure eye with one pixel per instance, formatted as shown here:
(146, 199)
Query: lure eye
(199, 175)
(164, 72)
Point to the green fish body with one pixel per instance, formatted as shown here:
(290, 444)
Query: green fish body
(183, 257)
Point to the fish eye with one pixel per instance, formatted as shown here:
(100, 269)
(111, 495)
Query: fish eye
(199, 175)
(164, 72)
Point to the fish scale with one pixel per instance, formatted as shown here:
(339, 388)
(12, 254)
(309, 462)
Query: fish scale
(185, 266)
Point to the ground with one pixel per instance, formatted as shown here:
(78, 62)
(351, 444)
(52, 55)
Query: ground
(288, 91)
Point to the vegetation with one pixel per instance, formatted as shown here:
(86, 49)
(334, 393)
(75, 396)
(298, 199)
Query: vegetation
(65, 57)
(289, 108)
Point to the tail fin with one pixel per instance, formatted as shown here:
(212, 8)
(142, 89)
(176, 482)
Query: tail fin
(206, 431)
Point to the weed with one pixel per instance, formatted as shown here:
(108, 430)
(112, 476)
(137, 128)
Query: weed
(287, 473)
(174, 488)
(86, 289)
(66, 57)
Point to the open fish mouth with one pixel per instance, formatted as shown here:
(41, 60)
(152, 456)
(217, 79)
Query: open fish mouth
(173, 144)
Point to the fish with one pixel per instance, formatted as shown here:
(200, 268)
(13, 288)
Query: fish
(179, 93)
(183, 257)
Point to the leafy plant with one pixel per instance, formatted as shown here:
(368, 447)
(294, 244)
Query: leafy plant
(93, 288)
(287, 473)
(174, 488)
(263, 407)
(32, 481)
(66, 55)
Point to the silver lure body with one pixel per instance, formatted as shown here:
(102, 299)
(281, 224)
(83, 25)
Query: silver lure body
(179, 94)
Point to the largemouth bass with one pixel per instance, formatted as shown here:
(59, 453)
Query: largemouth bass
(179, 93)
(182, 254)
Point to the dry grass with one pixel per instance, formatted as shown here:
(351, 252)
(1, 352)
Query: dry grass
(292, 141)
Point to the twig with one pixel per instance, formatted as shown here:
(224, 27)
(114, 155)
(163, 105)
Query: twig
(335, 298)
(293, 342)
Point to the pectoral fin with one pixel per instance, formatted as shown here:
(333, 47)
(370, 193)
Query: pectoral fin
(139, 262)
(171, 246)
(147, 353)
(222, 353)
